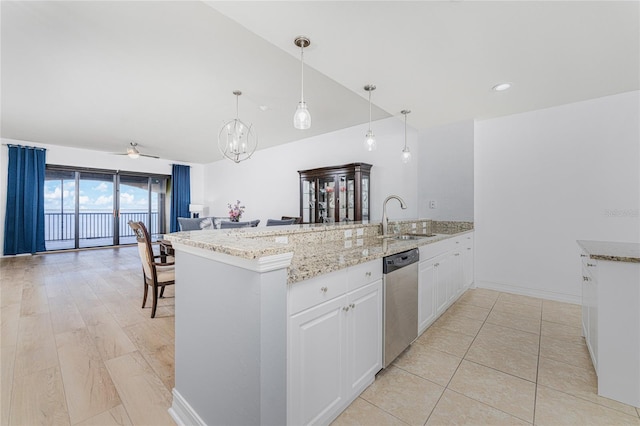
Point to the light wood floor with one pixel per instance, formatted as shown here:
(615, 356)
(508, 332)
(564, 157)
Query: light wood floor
(76, 348)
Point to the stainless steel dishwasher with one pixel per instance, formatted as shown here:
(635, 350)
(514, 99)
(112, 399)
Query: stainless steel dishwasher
(400, 303)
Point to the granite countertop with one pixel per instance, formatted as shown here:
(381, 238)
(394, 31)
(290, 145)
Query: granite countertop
(609, 250)
(315, 252)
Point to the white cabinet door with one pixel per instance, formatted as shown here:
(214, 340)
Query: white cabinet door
(457, 275)
(467, 262)
(317, 362)
(427, 282)
(445, 289)
(364, 336)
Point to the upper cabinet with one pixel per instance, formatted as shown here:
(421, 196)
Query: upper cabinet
(335, 194)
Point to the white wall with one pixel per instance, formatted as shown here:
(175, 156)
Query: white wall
(268, 183)
(547, 178)
(60, 155)
(445, 174)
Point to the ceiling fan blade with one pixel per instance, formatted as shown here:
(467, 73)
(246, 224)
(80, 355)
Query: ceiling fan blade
(150, 156)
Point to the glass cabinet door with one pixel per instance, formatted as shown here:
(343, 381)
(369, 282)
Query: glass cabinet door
(365, 198)
(308, 201)
(347, 198)
(326, 200)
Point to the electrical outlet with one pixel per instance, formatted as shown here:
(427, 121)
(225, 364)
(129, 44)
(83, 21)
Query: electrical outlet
(348, 233)
(432, 204)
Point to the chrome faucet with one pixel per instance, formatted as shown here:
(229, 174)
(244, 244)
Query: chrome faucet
(385, 219)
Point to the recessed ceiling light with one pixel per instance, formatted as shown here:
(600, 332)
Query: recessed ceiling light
(500, 87)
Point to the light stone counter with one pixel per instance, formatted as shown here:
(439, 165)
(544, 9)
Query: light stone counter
(613, 251)
(317, 249)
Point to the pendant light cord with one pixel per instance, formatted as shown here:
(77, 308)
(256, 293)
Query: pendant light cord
(302, 72)
(237, 106)
(405, 131)
(369, 110)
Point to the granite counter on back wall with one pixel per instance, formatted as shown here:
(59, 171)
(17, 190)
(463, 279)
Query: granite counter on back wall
(613, 251)
(317, 248)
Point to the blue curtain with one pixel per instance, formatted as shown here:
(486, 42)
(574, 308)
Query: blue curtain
(180, 194)
(24, 217)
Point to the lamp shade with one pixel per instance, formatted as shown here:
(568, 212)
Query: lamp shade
(196, 208)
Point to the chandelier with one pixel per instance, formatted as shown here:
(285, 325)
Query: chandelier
(236, 140)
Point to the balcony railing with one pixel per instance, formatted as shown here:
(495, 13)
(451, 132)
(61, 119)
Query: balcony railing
(61, 226)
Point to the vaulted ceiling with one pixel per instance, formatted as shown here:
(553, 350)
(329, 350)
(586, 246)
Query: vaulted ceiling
(99, 75)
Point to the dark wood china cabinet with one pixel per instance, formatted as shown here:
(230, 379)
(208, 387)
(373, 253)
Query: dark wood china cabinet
(335, 194)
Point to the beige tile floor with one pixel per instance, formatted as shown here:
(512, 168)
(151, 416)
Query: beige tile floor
(492, 359)
(76, 348)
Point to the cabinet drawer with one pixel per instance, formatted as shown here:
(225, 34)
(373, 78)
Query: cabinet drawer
(362, 274)
(311, 292)
(431, 250)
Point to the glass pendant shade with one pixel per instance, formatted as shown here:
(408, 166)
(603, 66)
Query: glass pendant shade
(406, 155)
(370, 141)
(302, 117)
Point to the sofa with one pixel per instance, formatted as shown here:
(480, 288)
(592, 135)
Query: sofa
(198, 223)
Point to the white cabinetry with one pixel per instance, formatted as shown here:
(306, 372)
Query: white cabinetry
(427, 282)
(445, 272)
(611, 325)
(335, 342)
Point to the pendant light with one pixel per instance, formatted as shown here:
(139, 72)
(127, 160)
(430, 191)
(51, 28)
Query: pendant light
(406, 153)
(236, 140)
(370, 138)
(302, 116)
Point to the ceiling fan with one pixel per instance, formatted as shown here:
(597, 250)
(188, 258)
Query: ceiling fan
(133, 152)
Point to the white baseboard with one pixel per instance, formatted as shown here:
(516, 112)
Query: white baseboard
(541, 294)
(182, 412)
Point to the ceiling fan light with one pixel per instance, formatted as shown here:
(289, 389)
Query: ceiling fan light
(302, 117)
(133, 152)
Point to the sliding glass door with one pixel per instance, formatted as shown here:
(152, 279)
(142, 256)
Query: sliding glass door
(95, 206)
(92, 208)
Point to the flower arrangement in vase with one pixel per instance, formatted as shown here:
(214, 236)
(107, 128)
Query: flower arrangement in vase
(235, 211)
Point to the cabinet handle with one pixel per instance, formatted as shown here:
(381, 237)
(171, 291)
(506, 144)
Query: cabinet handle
(583, 255)
(368, 274)
(456, 254)
(323, 289)
(352, 305)
(457, 242)
(586, 279)
(346, 309)
(591, 264)
(468, 248)
(436, 264)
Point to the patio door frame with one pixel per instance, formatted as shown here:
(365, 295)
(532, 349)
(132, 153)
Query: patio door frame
(116, 213)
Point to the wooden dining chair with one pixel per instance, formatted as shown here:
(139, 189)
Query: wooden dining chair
(155, 273)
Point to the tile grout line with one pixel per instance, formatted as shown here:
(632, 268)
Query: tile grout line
(535, 395)
(463, 358)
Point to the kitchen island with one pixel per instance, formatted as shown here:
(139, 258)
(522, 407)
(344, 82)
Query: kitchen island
(233, 346)
(611, 316)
